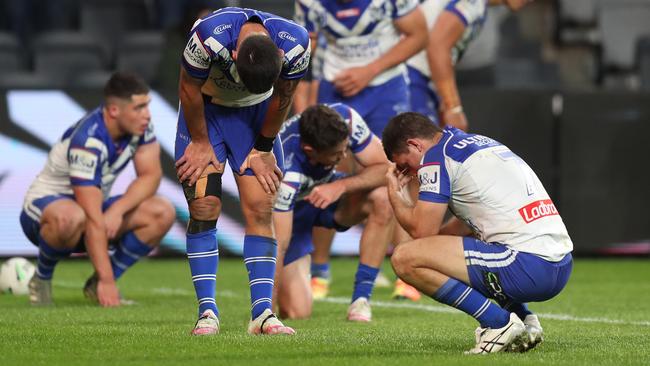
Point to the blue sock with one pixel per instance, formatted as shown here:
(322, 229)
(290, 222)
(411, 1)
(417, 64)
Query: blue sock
(518, 308)
(320, 270)
(259, 256)
(364, 281)
(127, 253)
(48, 257)
(462, 297)
(203, 255)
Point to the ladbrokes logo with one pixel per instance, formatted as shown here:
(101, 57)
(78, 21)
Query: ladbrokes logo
(537, 210)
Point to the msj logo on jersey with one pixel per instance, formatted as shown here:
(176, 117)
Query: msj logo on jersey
(83, 163)
(285, 196)
(429, 176)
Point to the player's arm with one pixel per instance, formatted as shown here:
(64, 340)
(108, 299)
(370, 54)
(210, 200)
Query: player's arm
(514, 5)
(413, 29)
(90, 199)
(149, 172)
(199, 152)
(409, 215)
(447, 30)
(455, 226)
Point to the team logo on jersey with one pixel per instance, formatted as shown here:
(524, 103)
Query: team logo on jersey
(195, 54)
(348, 13)
(285, 196)
(429, 176)
(537, 210)
(221, 28)
(83, 163)
(301, 64)
(287, 36)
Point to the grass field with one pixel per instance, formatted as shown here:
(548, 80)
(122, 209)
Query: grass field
(602, 317)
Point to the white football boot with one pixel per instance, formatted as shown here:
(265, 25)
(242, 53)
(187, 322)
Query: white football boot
(510, 337)
(268, 323)
(359, 311)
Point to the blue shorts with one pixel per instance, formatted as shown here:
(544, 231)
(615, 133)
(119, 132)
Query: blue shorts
(424, 99)
(232, 132)
(506, 275)
(305, 217)
(31, 221)
(376, 104)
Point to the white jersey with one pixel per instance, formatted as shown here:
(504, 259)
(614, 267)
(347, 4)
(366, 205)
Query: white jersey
(471, 12)
(86, 155)
(357, 32)
(495, 192)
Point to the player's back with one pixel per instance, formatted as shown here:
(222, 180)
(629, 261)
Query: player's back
(496, 193)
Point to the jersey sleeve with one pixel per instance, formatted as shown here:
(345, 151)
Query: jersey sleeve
(148, 136)
(197, 55)
(360, 134)
(289, 188)
(85, 160)
(434, 179)
(467, 11)
(403, 7)
(298, 54)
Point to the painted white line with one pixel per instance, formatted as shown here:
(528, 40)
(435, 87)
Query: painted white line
(184, 292)
(450, 310)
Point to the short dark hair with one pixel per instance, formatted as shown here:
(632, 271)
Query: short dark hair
(322, 128)
(258, 63)
(406, 126)
(124, 85)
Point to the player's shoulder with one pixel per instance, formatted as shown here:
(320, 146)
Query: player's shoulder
(461, 145)
(90, 131)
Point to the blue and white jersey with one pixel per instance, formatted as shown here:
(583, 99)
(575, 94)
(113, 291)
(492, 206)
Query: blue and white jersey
(358, 32)
(208, 53)
(86, 155)
(301, 176)
(495, 192)
(471, 12)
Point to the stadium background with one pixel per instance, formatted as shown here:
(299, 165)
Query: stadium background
(563, 83)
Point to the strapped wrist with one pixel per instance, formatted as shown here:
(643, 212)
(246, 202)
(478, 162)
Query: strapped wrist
(263, 143)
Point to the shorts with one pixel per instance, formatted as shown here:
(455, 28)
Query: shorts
(506, 275)
(30, 217)
(424, 99)
(232, 133)
(305, 217)
(376, 104)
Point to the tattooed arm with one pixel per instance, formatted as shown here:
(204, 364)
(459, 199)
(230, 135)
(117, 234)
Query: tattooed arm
(279, 106)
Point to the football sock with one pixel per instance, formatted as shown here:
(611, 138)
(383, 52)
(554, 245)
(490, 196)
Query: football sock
(48, 257)
(321, 270)
(259, 257)
(364, 281)
(130, 250)
(457, 294)
(203, 255)
(520, 309)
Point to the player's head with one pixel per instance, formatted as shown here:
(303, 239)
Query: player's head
(323, 135)
(259, 62)
(126, 101)
(405, 137)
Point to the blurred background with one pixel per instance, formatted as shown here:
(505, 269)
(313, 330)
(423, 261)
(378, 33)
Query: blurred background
(564, 83)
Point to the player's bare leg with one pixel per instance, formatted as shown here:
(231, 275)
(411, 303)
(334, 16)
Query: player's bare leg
(294, 297)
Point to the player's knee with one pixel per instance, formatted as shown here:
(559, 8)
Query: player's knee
(401, 261)
(258, 212)
(67, 223)
(382, 211)
(206, 209)
(161, 212)
(296, 312)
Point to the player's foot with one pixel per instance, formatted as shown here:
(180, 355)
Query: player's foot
(320, 288)
(90, 291)
(382, 280)
(40, 291)
(534, 331)
(508, 338)
(268, 323)
(359, 311)
(405, 291)
(207, 324)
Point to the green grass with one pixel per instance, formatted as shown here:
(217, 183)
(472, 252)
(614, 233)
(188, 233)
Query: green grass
(608, 300)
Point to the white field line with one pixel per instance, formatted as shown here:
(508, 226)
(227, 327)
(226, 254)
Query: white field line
(450, 310)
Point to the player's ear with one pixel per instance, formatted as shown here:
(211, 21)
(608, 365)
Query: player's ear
(234, 55)
(307, 148)
(281, 52)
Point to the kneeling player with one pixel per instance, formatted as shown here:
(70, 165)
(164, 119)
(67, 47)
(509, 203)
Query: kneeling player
(506, 242)
(68, 209)
(312, 194)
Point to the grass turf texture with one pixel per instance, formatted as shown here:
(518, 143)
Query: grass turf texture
(609, 298)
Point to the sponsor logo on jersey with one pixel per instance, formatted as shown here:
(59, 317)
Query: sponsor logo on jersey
(195, 54)
(348, 13)
(221, 28)
(287, 36)
(537, 210)
(477, 140)
(285, 196)
(301, 64)
(83, 163)
(429, 176)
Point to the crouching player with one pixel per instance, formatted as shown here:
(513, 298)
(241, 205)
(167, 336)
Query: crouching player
(313, 194)
(68, 209)
(506, 242)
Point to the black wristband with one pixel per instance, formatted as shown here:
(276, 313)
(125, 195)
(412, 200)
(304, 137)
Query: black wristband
(263, 143)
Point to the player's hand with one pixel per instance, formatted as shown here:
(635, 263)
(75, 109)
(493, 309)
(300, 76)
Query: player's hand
(397, 181)
(107, 293)
(195, 159)
(455, 119)
(113, 219)
(326, 194)
(351, 81)
(265, 168)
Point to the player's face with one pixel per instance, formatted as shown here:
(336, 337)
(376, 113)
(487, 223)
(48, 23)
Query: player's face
(408, 162)
(134, 115)
(333, 156)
